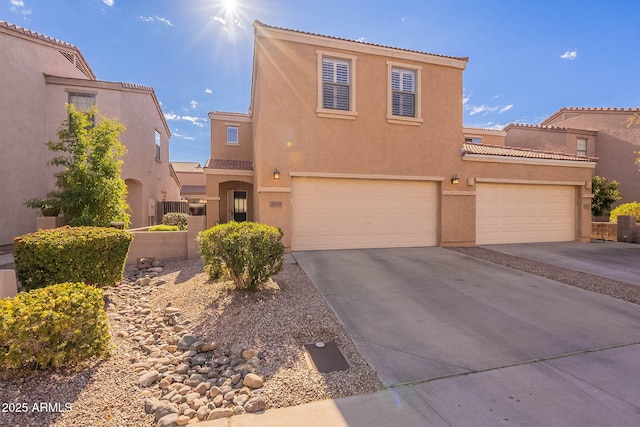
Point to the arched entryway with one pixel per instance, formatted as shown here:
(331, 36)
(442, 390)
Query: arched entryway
(135, 201)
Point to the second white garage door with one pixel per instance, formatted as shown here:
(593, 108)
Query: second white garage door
(518, 213)
(333, 213)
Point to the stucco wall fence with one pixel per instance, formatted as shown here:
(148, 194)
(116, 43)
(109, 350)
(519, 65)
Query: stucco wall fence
(167, 245)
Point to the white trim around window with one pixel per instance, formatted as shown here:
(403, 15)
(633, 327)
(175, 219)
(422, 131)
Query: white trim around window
(416, 120)
(233, 135)
(351, 113)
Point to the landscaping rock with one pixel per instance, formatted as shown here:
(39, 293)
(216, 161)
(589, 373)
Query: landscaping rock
(253, 381)
(220, 413)
(149, 378)
(255, 404)
(169, 420)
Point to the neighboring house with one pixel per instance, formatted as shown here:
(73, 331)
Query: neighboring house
(38, 76)
(484, 136)
(610, 134)
(192, 181)
(356, 145)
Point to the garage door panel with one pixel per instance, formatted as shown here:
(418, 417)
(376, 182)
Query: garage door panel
(515, 213)
(353, 213)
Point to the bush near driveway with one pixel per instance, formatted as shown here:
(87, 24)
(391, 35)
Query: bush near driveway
(164, 228)
(246, 252)
(632, 208)
(93, 255)
(59, 325)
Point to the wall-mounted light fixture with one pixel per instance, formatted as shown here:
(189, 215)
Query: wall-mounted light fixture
(454, 179)
(276, 174)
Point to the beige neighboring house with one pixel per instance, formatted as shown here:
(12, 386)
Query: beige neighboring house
(610, 134)
(356, 145)
(38, 76)
(192, 181)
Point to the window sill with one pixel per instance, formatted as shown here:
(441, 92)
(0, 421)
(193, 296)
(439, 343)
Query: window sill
(400, 120)
(231, 144)
(336, 114)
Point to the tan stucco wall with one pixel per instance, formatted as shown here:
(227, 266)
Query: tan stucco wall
(616, 145)
(549, 139)
(192, 178)
(23, 126)
(219, 147)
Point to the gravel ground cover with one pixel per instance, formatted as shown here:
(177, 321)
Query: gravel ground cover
(614, 288)
(276, 321)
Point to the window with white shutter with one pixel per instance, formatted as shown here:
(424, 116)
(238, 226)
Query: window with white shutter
(404, 97)
(335, 84)
(403, 87)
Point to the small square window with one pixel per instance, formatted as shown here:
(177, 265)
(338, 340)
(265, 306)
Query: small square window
(474, 140)
(232, 135)
(581, 147)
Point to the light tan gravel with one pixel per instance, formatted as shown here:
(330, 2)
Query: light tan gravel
(277, 321)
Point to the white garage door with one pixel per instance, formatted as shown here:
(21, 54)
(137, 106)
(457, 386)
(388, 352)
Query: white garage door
(516, 213)
(333, 213)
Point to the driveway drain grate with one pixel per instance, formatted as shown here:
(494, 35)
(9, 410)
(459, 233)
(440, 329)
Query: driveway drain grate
(326, 357)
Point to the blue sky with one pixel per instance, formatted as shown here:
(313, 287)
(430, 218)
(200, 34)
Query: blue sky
(527, 58)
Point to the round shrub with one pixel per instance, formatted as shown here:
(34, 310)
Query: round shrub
(246, 252)
(176, 218)
(93, 255)
(60, 325)
(632, 208)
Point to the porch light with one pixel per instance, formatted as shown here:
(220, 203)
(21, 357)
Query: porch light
(276, 174)
(455, 180)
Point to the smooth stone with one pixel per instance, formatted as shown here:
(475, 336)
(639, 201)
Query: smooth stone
(253, 381)
(169, 420)
(220, 413)
(255, 404)
(149, 378)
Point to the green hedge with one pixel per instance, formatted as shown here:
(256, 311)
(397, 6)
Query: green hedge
(176, 218)
(59, 325)
(93, 255)
(632, 208)
(164, 228)
(247, 252)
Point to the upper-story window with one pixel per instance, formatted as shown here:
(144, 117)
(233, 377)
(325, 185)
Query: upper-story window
(157, 140)
(403, 87)
(336, 85)
(232, 135)
(473, 140)
(82, 101)
(581, 147)
(404, 97)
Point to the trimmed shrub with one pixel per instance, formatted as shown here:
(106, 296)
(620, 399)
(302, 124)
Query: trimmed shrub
(60, 325)
(632, 208)
(93, 255)
(176, 218)
(164, 228)
(246, 252)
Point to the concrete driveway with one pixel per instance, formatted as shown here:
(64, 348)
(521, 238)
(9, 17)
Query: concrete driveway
(462, 341)
(613, 260)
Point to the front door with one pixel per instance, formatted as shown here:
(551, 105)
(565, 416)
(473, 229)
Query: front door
(239, 206)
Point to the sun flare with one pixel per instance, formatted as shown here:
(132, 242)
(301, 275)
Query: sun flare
(230, 6)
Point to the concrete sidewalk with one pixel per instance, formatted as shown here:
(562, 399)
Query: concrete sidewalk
(6, 259)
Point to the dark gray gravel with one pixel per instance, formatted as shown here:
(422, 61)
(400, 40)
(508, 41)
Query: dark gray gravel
(613, 288)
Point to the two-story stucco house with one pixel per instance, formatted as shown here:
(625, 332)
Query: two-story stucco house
(611, 134)
(38, 76)
(356, 145)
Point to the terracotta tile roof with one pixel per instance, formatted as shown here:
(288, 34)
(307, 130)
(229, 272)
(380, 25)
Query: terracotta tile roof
(526, 125)
(460, 58)
(193, 189)
(619, 109)
(504, 151)
(229, 113)
(242, 165)
(186, 166)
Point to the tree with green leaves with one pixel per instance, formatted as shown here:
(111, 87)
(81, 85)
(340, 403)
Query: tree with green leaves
(89, 190)
(605, 194)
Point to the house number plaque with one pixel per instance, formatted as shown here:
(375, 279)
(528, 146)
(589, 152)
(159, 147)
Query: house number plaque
(275, 204)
